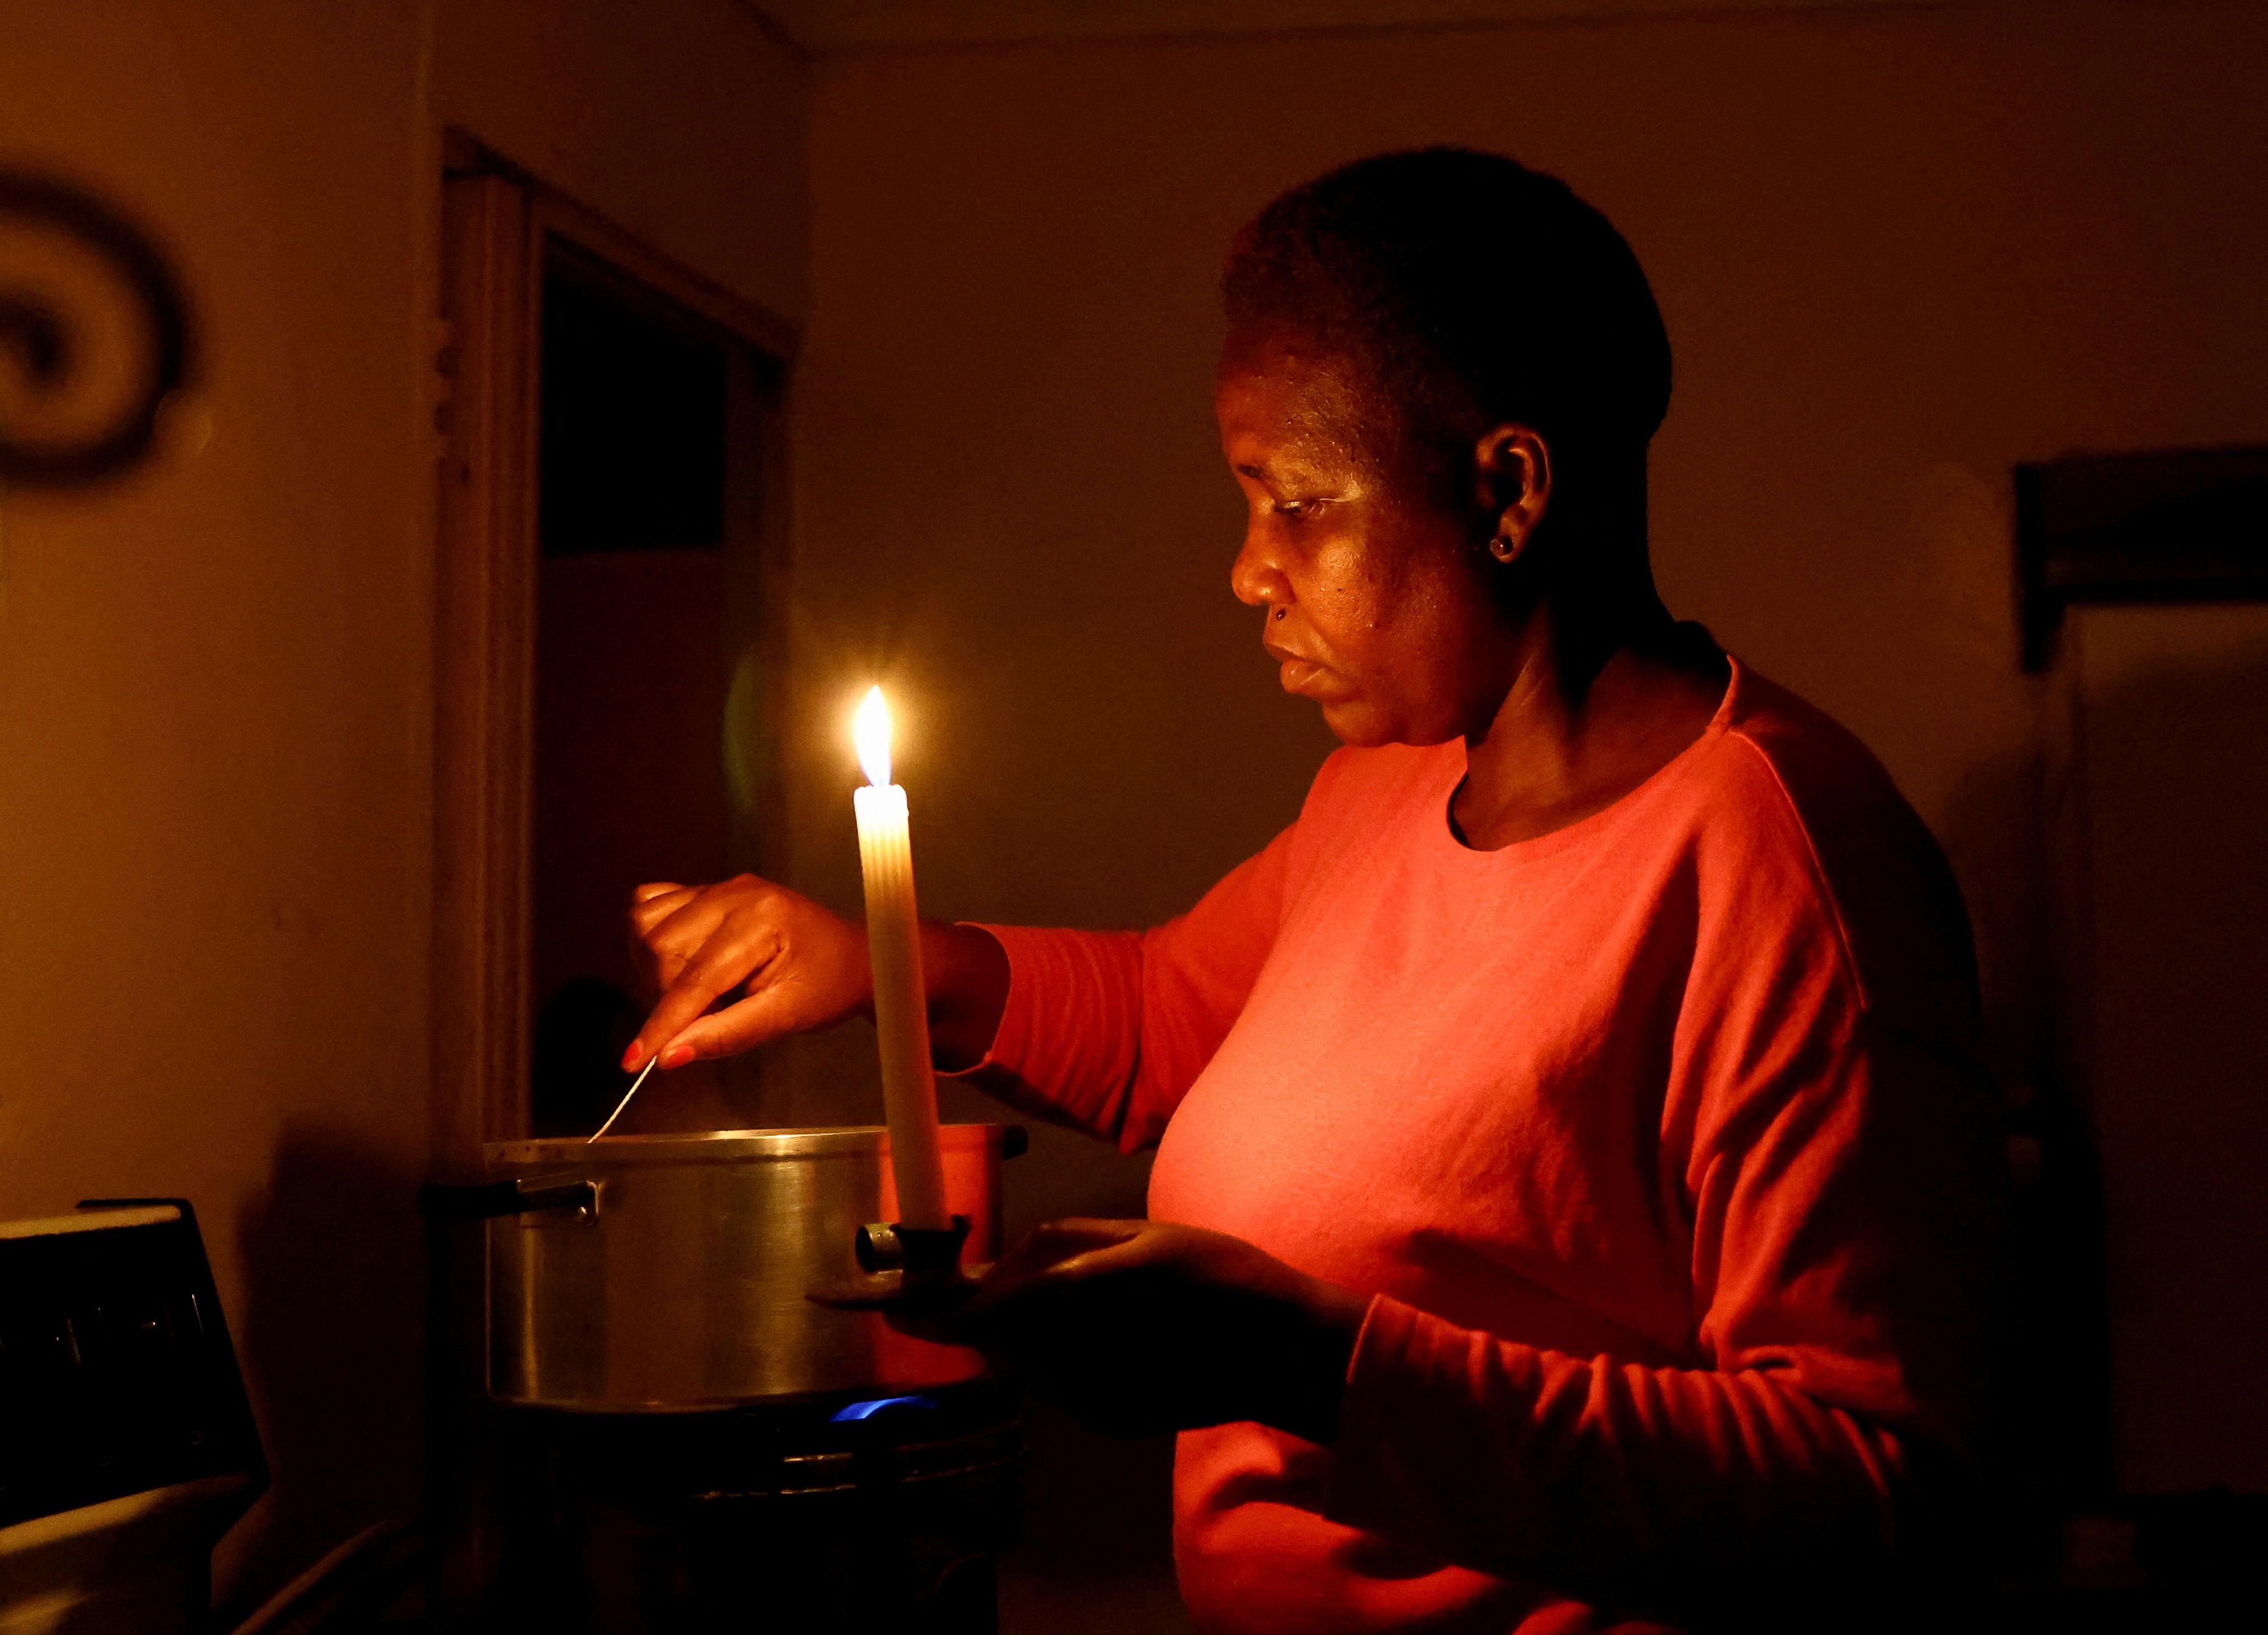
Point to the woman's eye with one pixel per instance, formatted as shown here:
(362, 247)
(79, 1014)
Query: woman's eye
(1297, 510)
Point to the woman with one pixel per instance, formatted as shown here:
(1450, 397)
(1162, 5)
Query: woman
(1575, 1191)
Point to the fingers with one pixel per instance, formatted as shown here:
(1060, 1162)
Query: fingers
(699, 943)
(674, 929)
(651, 905)
(756, 1020)
(1053, 1243)
(721, 965)
(661, 954)
(1052, 1256)
(652, 916)
(1056, 1313)
(1057, 1240)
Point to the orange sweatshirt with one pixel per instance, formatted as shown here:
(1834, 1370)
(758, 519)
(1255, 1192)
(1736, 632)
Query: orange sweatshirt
(1660, 1144)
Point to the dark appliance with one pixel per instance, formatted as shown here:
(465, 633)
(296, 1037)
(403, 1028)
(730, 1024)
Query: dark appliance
(127, 1445)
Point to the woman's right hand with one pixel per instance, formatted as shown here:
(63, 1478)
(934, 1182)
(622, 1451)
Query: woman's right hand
(801, 967)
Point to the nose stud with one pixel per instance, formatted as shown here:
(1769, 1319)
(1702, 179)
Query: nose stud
(1280, 612)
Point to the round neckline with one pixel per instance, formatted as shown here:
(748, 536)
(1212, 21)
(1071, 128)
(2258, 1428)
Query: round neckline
(1582, 828)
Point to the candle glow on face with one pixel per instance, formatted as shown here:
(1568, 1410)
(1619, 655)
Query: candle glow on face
(869, 730)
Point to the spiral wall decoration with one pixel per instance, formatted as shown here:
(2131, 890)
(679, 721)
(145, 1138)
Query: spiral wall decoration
(94, 334)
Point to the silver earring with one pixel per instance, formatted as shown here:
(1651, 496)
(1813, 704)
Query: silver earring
(1501, 548)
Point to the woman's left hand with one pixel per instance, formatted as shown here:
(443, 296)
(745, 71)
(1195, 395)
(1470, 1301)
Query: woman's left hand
(1135, 1327)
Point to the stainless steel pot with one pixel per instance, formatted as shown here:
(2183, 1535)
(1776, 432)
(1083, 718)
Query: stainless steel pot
(646, 1273)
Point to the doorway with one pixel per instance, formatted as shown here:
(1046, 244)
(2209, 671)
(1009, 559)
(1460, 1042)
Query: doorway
(611, 652)
(641, 514)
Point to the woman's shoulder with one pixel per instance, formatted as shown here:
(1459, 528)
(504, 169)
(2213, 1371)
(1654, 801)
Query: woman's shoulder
(1782, 753)
(1792, 792)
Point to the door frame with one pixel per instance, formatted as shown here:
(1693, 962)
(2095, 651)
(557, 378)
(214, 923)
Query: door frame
(498, 226)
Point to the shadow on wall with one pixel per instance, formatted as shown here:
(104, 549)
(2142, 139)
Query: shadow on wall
(331, 1336)
(2177, 747)
(2052, 1417)
(2123, 930)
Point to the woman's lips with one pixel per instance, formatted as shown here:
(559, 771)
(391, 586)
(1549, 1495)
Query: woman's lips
(1297, 673)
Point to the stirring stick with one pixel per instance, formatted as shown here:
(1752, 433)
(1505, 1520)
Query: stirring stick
(627, 1095)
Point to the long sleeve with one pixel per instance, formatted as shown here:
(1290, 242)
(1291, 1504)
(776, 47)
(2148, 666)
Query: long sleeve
(1106, 1031)
(1833, 1152)
(1809, 1449)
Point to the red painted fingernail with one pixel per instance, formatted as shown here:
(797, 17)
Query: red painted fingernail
(676, 1056)
(631, 1057)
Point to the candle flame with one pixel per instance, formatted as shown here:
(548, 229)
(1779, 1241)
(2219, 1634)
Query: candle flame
(869, 730)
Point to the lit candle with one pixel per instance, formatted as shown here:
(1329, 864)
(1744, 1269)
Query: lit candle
(900, 1002)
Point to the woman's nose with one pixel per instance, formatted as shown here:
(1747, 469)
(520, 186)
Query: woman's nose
(1254, 578)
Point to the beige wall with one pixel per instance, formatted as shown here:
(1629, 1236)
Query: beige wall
(1899, 251)
(215, 784)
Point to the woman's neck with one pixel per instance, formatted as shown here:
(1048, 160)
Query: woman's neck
(1600, 694)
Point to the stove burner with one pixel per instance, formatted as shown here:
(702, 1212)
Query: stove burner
(880, 1404)
(815, 1517)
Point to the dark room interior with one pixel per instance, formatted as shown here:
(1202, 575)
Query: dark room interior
(462, 464)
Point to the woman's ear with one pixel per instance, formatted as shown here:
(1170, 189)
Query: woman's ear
(1512, 470)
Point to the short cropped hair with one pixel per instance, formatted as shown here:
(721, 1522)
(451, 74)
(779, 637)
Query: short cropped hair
(1467, 291)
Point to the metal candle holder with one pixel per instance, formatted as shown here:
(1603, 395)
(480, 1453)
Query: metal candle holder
(926, 1257)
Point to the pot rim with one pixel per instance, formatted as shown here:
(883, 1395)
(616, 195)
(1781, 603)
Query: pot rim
(721, 1147)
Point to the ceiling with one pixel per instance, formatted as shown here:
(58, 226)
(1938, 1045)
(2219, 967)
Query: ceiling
(822, 28)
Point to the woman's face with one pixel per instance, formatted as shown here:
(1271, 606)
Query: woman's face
(1371, 586)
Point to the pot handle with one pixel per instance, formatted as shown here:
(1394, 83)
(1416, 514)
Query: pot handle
(493, 1199)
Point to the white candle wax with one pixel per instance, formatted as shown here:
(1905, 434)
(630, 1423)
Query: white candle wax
(900, 1002)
